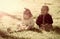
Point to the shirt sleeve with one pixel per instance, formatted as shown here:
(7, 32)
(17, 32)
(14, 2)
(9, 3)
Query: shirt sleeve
(50, 20)
(31, 22)
(38, 21)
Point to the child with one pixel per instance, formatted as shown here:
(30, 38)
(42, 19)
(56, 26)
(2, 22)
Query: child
(27, 21)
(44, 21)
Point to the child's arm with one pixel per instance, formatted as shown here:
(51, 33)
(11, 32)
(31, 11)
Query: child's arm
(38, 21)
(31, 25)
(50, 20)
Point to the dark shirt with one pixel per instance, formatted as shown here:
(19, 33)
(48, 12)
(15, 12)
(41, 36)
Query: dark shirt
(47, 19)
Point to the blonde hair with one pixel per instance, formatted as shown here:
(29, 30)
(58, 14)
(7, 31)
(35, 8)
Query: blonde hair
(26, 11)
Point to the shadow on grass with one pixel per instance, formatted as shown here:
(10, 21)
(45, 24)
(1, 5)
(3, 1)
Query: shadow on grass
(57, 29)
(6, 36)
(14, 37)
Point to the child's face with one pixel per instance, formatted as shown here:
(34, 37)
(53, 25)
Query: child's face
(44, 10)
(27, 15)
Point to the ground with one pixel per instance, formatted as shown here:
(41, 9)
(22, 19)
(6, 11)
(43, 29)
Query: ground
(8, 22)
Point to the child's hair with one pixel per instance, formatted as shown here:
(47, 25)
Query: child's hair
(47, 8)
(28, 11)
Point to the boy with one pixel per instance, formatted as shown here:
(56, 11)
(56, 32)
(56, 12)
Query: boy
(44, 21)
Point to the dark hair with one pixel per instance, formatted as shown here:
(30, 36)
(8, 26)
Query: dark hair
(46, 7)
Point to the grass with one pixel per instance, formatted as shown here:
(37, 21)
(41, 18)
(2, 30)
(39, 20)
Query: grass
(36, 35)
(29, 34)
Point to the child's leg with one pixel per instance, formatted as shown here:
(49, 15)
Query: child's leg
(29, 27)
(49, 27)
(42, 27)
(22, 28)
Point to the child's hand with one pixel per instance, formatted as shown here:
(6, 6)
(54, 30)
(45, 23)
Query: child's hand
(43, 25)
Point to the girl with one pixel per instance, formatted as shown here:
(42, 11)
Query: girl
(27, 21)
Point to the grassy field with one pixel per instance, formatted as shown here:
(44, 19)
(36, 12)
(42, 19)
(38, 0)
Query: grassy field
(33, 35)
(29, 34)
